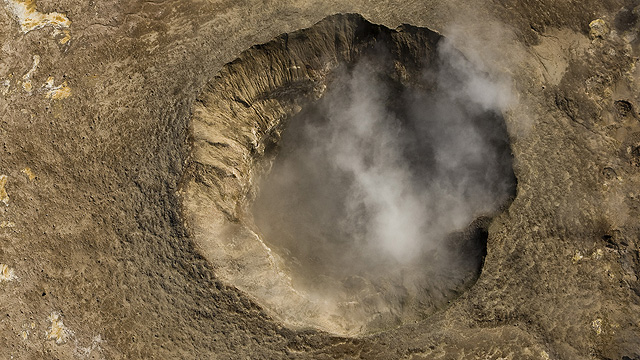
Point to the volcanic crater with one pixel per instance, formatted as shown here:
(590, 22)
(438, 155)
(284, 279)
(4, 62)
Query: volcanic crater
(344, 176)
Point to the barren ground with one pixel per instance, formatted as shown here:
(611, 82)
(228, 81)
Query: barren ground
(96, 104)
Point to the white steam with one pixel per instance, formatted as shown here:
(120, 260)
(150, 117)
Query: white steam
(375, 176)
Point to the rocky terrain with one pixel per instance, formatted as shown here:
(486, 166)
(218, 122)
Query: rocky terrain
(271, 93)
(102, 253)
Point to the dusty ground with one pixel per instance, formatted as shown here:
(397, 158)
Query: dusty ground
(96, 102)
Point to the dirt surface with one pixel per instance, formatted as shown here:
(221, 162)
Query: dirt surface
(97, 261)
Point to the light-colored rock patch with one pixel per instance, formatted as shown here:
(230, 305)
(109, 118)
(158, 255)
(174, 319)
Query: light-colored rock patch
(58, 331)
(30, 18)
(598, 28)
(7, 224)
(59, 92)
(6, 273)
(4, 197)
(26, 83)
(30, 174)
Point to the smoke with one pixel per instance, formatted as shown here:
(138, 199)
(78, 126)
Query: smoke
(379, 175)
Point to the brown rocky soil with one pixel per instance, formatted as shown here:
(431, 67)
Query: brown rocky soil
(99, 261)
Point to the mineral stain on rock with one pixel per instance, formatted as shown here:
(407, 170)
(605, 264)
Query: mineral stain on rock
(57, 330)
(4, 197)
(29, 173)
(6, 273)
(26, 79)
(31, 19)
(59, 92)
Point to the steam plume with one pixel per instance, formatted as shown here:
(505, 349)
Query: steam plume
(375, 177)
